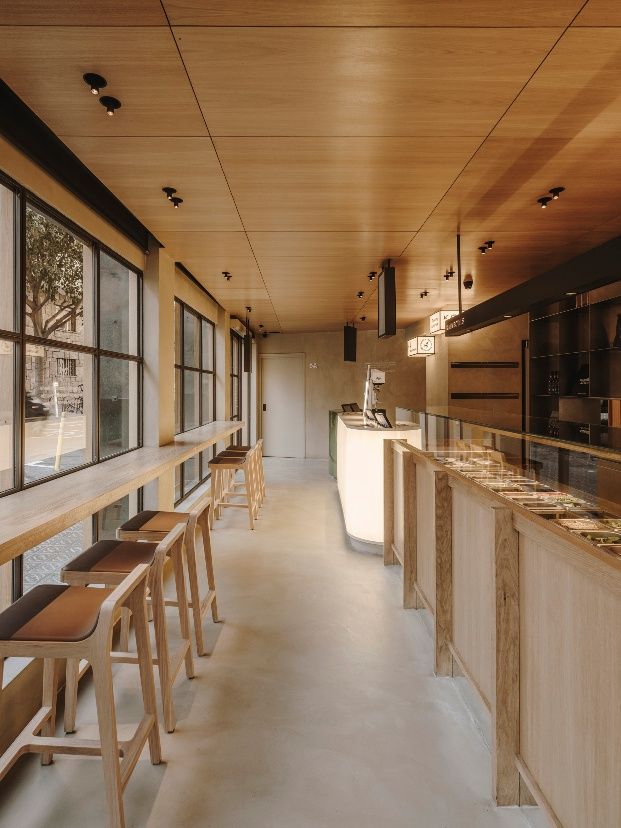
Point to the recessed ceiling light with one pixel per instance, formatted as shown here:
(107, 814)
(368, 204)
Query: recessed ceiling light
(170, 191)
(508, 315)
(111, 104)
(571, 293)
(226, 275)
(490, 244)
(544, 201)
(556, 191)
(483, 249)
(360, 294)
(176, 202)
(96, 82)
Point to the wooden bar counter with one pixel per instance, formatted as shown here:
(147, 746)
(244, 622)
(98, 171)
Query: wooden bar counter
(530, 613)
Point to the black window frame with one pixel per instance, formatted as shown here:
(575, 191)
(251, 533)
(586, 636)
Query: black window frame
(22, 199)
(180, 370)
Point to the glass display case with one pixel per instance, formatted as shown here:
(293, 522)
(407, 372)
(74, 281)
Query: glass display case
(577, 488)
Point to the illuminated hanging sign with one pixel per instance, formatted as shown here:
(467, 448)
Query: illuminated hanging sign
(438, 320)
(421, 346)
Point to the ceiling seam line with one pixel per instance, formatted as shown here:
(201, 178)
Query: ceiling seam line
(200, 108)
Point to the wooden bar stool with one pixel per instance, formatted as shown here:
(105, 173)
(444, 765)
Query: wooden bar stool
(55, 621)
(222, 483)
(153, 526)
(257, 461)
(107, 563)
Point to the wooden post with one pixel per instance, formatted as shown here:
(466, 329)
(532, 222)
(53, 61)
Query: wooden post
(506, 702)
(444, 574)
(389, 503)
(410, 596)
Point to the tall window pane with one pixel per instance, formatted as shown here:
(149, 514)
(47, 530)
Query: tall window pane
(7, 259)
(118, 401)
(191, 399)
(207, 384)
(59, 410)
(178, 335)
(113, 516)
(118, 306)
(191, 339)
(190, 474)
(208, 336)
(59, 282)
(7, 408)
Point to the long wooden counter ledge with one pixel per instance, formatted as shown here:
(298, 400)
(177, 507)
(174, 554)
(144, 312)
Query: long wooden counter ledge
(38, 513)
(529, 613)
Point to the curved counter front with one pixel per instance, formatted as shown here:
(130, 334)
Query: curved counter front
(360, 477)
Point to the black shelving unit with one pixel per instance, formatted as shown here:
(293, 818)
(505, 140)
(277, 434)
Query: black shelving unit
(575, 368)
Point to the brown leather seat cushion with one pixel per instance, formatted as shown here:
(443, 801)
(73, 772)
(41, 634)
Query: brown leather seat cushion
(237, 460)
(148, 521)
(112, 556)
(53, 612)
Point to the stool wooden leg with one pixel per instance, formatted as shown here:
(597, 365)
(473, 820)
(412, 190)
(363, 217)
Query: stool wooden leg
(106, 714)
(145, 665)
(211, 580)
(156, 587)
(190, 550)
(249, 496)
(49, 700)
(71, 693)
(124, 634)
(184, 615)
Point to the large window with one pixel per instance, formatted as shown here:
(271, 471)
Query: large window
(195, 402)
(236, 381)
(70, 348)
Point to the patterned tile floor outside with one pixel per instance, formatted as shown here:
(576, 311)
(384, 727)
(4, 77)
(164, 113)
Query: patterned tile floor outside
(42, 563)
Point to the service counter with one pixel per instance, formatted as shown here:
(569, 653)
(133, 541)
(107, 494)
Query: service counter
(360, 476)
(521, 575)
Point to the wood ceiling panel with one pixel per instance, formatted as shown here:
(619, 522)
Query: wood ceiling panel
(359, 184)
(372, 13)
(600, 13)
(331, 81)
(79, 13)
(136, 169)
(216, 251)
(44, 66)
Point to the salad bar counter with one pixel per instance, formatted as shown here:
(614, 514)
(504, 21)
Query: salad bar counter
(512, 544)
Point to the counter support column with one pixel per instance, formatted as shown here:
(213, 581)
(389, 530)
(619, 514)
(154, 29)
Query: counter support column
(410, 595)
(444, 574)
(389, 503)
(506, 664)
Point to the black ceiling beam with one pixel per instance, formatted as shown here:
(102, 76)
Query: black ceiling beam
(25, 130)
(595, 268)
(189, 275)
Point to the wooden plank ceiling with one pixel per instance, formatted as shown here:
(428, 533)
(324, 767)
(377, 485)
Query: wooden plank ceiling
(310, 141)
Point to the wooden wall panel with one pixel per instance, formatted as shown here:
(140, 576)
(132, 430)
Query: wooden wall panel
(570, 675)
(474, 604)
(425, 541)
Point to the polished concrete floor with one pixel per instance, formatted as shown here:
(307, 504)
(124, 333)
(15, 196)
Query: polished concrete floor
(317, 708)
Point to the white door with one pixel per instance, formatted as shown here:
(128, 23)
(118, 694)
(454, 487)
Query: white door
(283, 405)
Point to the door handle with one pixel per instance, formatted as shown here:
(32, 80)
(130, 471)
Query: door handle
(264, 407)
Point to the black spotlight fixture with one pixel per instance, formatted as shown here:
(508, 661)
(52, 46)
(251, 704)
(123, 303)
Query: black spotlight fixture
(226, 275)
(490, 244)
(449, 273)
(556, 191)
(260, 326)
(111, 104)
(176, 201)
(424, 293)
(372, 275)
(96, 82)
(170, 191)
(468, 281)
(544, 201)
(363, 319)
(360, 294)
(483, 249)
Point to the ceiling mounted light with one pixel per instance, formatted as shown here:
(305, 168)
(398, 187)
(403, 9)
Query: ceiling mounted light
(176, 201)
(360, 294)
(96, 82)
(544, 201)
(556, 191)
(226, 275)
(483, 249)
(372, 275)
(170, 191)
(507, 316)
(111, 104)
(260, 326)
(490, 244)
(424, 293)
(449, 274)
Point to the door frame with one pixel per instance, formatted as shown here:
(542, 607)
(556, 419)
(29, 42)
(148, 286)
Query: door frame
(290, 355)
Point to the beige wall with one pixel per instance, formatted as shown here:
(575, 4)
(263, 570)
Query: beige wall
(334, 381)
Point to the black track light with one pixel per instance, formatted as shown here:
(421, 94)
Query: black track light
(372, 275)
(96, 82)
(170, 191)
(226, 275)
(363, 319)
(260, 326)
(360, 294)
(449, 273)
(556, 191)
(490, 244)
(111, 104)
(483, 249)
(248, 309)
(544, 201)
(424, 293)
(176, 201)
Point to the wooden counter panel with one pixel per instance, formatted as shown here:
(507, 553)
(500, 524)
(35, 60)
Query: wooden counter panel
(425, 530)
(398, 508)
(474, 608)
(570, 679)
